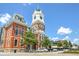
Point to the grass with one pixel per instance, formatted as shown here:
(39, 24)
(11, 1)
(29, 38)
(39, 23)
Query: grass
(72, 51)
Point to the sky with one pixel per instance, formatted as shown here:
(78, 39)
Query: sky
(61, 20)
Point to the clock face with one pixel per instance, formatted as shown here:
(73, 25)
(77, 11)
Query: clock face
(40, 26)
(35, 27)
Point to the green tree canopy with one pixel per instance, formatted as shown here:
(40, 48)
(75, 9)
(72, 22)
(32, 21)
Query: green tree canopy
(65, 44)
(59, 44)
(46, 42)
(30, 38)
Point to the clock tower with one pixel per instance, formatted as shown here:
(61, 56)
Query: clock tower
(38, 26)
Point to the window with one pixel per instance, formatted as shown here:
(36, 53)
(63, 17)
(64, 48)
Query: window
(22, 42)
(16, 31)
(40, 17)
(15, 42)
(16, 17)
(34, 17)
(13, 28)
(20, 19)
(22, 31)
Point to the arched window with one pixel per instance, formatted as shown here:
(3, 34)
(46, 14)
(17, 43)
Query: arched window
(22, 31)
(22, 42)
(16, 32)
(40, 17)
(34, 17)
(16, 17)
(15, 42)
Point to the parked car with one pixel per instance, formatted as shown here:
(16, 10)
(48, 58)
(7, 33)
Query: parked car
(55, 50)
(42, 50)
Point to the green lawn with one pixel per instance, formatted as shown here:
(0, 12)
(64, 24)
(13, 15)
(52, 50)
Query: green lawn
(72, 51)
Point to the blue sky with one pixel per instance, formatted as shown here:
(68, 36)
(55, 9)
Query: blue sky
(61, 20)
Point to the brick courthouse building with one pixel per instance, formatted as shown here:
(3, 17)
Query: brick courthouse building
(13, 33)
(14, 30)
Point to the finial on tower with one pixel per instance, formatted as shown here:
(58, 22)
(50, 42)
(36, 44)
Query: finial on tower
(38, 9)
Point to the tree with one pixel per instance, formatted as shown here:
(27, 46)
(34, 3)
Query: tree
(59, 44)
(30, 40)
(46, 42)
(65, 44)
(70, 44)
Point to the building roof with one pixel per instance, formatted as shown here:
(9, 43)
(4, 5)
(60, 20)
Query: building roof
(16, 21)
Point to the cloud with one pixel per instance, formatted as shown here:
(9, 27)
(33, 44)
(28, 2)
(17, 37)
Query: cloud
(76, 41)
(4, 17)
(66, 38)
(55, 38)
(63, 31)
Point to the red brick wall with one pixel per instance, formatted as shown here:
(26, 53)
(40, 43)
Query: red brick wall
(10, 35)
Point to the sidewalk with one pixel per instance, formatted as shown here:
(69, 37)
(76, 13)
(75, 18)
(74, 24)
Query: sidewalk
(38, 54)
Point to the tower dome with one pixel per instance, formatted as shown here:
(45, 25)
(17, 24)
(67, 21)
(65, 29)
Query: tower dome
(37, 16)
(38, 21)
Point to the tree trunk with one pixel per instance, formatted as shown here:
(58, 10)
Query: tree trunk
(30, 47)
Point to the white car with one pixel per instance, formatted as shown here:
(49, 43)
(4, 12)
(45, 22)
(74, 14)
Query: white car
(42, 50)
(55, 50)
